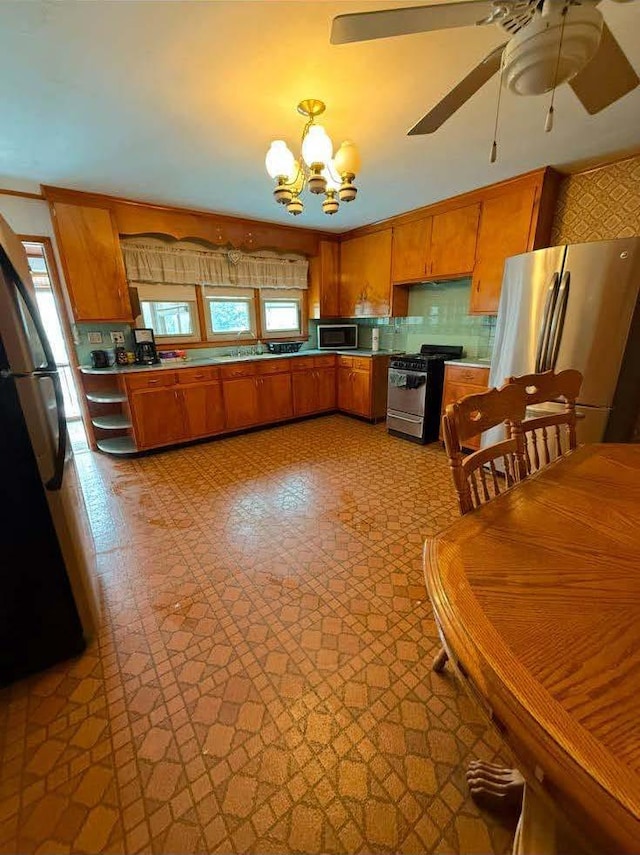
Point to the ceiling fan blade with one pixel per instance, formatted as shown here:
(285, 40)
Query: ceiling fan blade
(362, 26)
(606, 78)
(460, 94)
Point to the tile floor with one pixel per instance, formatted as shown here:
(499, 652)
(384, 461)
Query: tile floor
(261, 681)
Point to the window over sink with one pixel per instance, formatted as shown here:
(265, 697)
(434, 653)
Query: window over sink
(281, 313)
(230, 313)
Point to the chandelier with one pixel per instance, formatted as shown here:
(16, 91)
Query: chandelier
(315, 168)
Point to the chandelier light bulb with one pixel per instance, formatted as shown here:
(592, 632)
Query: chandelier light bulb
(279, 160)
(347, 159)
(332, 184)
(317, 148)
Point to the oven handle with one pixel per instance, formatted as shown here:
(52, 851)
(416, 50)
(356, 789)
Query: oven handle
(403, 418)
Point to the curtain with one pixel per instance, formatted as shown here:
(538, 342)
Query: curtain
(184, 263)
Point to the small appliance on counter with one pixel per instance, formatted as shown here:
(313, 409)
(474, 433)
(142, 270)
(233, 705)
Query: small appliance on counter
(337, 336)
(145, 347)
(415, 392)
(99, 359)
(284, 346)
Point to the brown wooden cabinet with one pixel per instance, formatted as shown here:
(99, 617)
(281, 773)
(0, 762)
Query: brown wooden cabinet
(461, 380)
(362, 386)
(314, 387)
(452, 251)
(92, 262)
(241, 403)
(507, 222)
(158, 417)
(203, 409)
(275, 399)
(410, 250)
(324, 281)
(365, 278)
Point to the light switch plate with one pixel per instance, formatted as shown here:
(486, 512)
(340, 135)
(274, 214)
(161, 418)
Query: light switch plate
(117, 337)
(94, 337)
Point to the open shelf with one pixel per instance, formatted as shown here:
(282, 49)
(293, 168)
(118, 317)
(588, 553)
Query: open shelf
(117, 445)
(107, 396)
(117, 421)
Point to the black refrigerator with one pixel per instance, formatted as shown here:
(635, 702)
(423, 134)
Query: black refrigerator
(49, 598)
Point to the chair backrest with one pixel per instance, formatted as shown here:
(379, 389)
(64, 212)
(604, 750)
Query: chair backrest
(470, 416)
(549, 436)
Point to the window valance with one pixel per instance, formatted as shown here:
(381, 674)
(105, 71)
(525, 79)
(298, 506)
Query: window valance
(187, 263)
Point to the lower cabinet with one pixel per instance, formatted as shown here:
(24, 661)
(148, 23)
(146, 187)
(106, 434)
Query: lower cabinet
(158, 417)
(314, 388)
(203, 409)
(275, 399)
(362, 386)
(461, 380)
(241, 402)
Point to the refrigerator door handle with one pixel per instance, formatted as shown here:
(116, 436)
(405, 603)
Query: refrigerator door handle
(545, 327)
(23, 291)
(55, 482)
(558, 322)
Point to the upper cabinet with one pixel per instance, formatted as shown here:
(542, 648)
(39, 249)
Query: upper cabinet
(365, 278)
(324, 281)
(453, 241)
(410, 250)
(507, 224)
(92, 262)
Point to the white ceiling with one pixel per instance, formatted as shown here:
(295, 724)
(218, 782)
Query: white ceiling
(177, 102)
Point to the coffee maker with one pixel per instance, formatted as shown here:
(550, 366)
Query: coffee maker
(145, 347)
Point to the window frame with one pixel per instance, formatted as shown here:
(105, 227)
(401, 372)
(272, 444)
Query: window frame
(282, 295)
(157, 293)
(216, 294)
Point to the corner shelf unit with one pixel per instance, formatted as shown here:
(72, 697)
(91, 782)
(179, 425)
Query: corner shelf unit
(108, 410)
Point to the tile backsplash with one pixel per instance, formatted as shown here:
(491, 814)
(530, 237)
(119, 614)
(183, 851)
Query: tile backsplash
(438, 314)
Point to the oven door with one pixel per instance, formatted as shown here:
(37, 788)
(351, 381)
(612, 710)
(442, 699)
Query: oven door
(407, 392)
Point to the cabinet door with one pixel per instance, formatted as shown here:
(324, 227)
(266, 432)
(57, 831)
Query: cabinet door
(453, 242)
(274, 398)
(361, 401)
(345, 389)
(240, 402)
(325, 386)
(304, 393)
(203, 409)
(410, 250)
(92, 262)
(157, 417)
(324, 281)
(365, 276)
(505, 223)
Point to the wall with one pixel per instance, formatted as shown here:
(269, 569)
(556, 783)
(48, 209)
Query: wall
(601, 204)
(438, 314)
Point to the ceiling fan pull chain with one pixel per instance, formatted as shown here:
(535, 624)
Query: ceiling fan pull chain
(494, 144)
(548, 124)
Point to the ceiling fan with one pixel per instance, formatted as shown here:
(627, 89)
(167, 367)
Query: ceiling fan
(550, 42)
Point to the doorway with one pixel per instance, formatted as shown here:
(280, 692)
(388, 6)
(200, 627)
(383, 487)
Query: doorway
(46, 284)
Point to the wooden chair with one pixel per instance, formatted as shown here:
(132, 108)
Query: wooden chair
(476, 476)
(550, 436)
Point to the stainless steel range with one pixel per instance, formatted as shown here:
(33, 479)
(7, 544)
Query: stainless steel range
(415, 392)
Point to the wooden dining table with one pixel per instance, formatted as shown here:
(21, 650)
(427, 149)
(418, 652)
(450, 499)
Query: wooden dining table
(537, 597)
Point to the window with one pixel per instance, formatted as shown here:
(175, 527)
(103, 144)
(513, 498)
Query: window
(171, 311)
(230, 313)
(281, 313)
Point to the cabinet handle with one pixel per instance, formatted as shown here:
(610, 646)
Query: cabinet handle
(478, 285)
(152, 382)
(198, 376)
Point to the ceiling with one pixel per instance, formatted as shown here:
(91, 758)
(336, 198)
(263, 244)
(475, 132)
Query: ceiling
(177, 102)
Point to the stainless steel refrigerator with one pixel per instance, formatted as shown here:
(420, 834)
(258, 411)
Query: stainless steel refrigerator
(49, 602)
(576, 306)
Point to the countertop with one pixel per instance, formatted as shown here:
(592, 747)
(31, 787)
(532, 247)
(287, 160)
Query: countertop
(470, 363)
(226, 360)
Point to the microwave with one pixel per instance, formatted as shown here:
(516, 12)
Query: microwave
(337, 336)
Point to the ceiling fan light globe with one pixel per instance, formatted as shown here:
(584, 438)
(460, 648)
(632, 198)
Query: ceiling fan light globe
(279, 160)
(531, 56)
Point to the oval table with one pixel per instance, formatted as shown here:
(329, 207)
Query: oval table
(537, 598)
